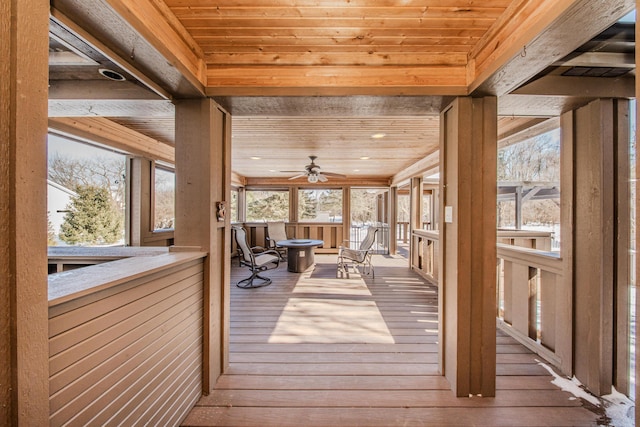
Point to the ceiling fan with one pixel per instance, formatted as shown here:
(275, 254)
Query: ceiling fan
(312, 172)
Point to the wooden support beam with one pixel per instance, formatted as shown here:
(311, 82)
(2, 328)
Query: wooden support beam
(586, 87)
(519, 200)
(467, 303)
(87, 107)
(332, 183)
(159, 26)
(203, 179)
(105, 131)
(288, 80)
(533, 34)
(528, 131)
(24, 337)
(427, 165)
(120, 60)
(637, 216)
(600, 252)
(102, 89)
(393, 220)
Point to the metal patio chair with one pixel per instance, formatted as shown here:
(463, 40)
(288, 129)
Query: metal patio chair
(276, 232)
(257, 262)
(348, 257)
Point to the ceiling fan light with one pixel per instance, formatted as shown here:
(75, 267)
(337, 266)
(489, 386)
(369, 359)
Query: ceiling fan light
(312, 178)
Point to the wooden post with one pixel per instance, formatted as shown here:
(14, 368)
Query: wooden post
(415, 215)
(601, 231)
(24, 343)
(203, 179)
(637, 220)
(138, 222)
(393, 220)
(564, 293)
(346, 214)
(467, 271)
(518, 207)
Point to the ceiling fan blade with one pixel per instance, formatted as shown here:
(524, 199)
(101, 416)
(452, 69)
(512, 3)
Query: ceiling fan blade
(322, 178)
(298, 176)
(337, 175)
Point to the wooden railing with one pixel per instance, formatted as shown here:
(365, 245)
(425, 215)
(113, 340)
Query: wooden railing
(125, 341)
(540, 240)
(424, 253)
(533, 298)
(331, 233)
(534, 302)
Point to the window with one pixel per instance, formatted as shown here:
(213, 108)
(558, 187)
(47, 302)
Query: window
(321, 205)
(267, 205)
(426, 210)
(532, 169)
(364, 206)
(85, 193)
(233, 208)
(164, 210)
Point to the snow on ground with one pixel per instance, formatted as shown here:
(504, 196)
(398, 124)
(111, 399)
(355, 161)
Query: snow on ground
(619, 408)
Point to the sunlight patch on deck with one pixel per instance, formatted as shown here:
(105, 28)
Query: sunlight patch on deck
(322, 280)
(313, 320)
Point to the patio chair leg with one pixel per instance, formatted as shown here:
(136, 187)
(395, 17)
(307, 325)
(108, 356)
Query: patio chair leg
(249, 281)
(342, 270)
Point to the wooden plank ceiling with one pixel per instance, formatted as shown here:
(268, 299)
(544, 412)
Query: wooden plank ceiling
(315, 77)
(353, 146)
(386, 40)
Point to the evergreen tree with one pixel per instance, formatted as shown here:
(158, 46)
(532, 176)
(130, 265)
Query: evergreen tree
(267, 205)
(51, 234)
(92, 218)
(307, 207)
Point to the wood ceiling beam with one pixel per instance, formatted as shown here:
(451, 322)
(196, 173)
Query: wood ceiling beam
(427, 165)
(589, 87)
(110, 108)
(600, 59)
(104, 131)
(99, 89)
(71, 26)
(158, 25)
(335, 80)
(535, 34)
(522, 21)
(534, 128)
(332, 182)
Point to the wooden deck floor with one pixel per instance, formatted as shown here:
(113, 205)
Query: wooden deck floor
(313, 350)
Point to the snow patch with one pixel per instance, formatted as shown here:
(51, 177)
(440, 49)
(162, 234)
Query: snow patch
(572, 386)
(619, 408)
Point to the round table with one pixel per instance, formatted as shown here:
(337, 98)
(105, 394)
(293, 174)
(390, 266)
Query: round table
(299, 253)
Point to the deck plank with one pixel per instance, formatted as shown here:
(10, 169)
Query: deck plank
(314, 350)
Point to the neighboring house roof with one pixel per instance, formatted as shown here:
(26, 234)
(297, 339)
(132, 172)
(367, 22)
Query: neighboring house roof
(61, 188)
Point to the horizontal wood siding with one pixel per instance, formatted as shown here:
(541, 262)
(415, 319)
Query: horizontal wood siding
(129, 354)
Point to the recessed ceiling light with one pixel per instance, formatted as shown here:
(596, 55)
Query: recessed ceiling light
(356, 170)
(365, 158)
(111, 75)
(272, 170)
(378, 135)
(255, 158)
